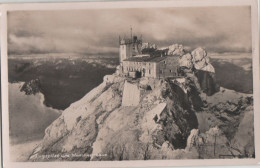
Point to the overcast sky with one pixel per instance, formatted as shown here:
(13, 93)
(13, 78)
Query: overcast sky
(217, 29)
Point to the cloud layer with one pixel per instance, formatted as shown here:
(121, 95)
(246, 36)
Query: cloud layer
(217, 29)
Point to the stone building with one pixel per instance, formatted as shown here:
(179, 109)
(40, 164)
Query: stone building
(152, 63)
(129, 47)
(154, 67)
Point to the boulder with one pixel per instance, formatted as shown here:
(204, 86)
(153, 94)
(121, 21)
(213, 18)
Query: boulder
(192, 139)
(186, 61)
(201, 61)
(176, 49)
(198, 54)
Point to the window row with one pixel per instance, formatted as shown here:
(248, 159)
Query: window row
(164, 71)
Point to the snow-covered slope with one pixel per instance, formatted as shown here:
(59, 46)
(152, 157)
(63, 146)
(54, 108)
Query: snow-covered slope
(168, 123)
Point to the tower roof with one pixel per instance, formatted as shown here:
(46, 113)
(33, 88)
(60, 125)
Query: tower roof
(129, 40)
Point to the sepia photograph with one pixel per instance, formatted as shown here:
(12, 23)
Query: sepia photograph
(134, 83)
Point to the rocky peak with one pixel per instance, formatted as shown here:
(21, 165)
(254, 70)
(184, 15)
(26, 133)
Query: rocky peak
(147, 118)
(196, 66)
(176, 49)
(162, 125)
(31, 87)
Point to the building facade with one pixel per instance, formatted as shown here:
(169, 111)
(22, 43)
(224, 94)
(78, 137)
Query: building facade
(154, 67)
(151, 63)
(129, 47)
(168, 67)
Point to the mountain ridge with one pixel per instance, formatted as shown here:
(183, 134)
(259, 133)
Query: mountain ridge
(98, 127)
(184, 117)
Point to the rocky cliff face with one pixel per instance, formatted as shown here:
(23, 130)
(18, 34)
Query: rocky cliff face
(173, 120)
(196, 65)
(31, 87)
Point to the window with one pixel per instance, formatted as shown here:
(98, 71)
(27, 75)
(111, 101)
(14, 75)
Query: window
(164, 62)
(161, 71)
(149, 71)
(170, 70)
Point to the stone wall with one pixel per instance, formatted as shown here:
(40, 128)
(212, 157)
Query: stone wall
(131, 95)
(168, 67)
(147, 69)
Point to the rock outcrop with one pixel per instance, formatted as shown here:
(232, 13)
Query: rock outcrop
(186, 61)
(197, 66)
(229, 119)
(168, 123)
(197, 59)
(90, 125)
(31, 87)
(207, 81)
(176, 49)
(148, 45)
(201, 60)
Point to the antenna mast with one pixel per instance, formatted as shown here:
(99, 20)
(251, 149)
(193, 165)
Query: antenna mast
(131, 32)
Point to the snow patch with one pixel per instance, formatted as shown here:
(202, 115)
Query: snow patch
(82, 106)
(192, 139)
(149, 124)
(224, 95)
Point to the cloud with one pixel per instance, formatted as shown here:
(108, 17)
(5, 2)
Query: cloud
(23, 45)
(218, 29)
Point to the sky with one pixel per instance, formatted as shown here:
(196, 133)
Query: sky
(96, 31)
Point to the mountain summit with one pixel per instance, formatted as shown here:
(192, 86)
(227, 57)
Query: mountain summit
(123, 118)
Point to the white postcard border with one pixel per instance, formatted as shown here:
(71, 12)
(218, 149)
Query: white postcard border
(129, 4)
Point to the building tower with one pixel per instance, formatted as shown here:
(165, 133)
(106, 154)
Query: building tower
(129, 47)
